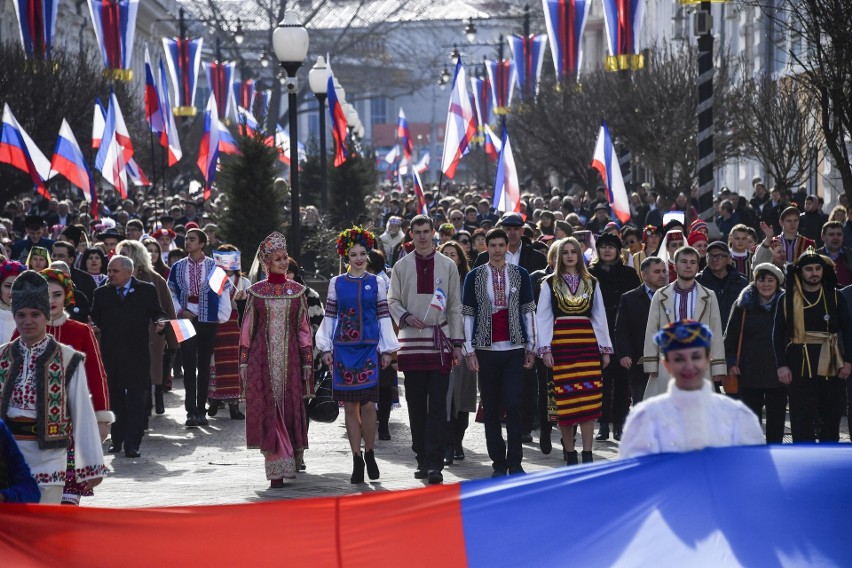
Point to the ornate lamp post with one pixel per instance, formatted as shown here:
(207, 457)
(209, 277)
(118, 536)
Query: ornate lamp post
(318, 81)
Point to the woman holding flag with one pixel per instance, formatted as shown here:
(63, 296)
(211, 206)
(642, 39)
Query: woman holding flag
(356, 337)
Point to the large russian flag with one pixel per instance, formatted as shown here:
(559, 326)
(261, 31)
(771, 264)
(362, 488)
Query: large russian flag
(606, 162)
(507, 189)
(758, 506)
(208, 153)
(153, 110)
(169, 136)
(18, 150)
(403, 135)
(69, 161)
(227, 143)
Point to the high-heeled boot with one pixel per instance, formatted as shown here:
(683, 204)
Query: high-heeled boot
(357, 469)
(570, 457)
(372, 466)
(587, 456)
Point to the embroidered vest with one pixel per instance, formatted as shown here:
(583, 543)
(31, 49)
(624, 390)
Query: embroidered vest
(53, 367)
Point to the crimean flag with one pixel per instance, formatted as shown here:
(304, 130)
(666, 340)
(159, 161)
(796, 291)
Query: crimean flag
(208, 153)
(623, 23)
(282, 142)
(227, 142)
(461, 126)
(606, 162)
(18, 150)
(37, 23)
(338, 122)
(136, 175)
(439, 300)
(528, 53)
(417, 186)
(565, 21)
(68, 160)
(183, 56)
(218, 280)
(183, 329)
(169, 136)
(153, 111)
(403, 135)
(219, 77)
(115, 27)
(507, 189)
(502, 77)
(116, 149)
(392, 155)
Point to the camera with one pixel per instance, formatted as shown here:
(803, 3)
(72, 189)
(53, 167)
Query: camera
(290, 85)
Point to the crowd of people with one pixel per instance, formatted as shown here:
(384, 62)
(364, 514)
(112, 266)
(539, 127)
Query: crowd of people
(554, 315)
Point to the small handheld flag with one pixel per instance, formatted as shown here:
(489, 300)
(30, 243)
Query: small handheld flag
(439, 300)
(218, 279)
(606, 162)
(183, 329)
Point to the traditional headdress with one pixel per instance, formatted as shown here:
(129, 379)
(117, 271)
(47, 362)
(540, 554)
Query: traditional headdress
(698, 225)
(30, 291)
(38, 251)
(683, 334)
(356, 236)
(811, 256)
(270, 245)
(696, 236)
(53, 275)
(10, 268)
(650, 230)
(164, 233)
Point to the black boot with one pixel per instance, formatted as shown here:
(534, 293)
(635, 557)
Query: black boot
(603, 432)
(570, 457)
(214, 408)
(384, 431)
(159, 405)
(448, 455)
(234, 409)
(617, 429)
(544, 441)
(587, 456)
(357, 469)
(372, 466)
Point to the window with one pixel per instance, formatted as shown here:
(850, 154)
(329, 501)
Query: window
(378, 110)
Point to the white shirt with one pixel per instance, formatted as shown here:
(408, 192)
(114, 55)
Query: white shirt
(514, 257)
(528, 318)
(683, 421)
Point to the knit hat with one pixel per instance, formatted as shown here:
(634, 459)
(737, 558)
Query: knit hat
(698, 225)
(30, 291)
(695, 237)
(770, 268)
(683, 334)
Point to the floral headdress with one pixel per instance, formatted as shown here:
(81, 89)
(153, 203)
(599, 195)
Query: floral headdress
(53, 275)
(10, 268)
(270, 245)
(355, 236)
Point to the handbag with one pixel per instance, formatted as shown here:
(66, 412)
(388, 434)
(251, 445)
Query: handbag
(323, 408)
(731, 382)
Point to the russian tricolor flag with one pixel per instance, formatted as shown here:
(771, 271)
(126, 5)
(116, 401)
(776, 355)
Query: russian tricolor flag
(227, 142)
(606, 162)
(248, 125)
(18, 150)
(218, 280)
(208, 153)
(136, 175)
(153, 110)
(507, 189)
(115, 149)
(169, 136)
(338, 122)
(422, 208)
(403, 134)
(68, 161)
(183, 329)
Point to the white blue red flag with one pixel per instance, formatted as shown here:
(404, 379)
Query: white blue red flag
(136, 175)
(492, 143)
(483, 103)
(392, 155)
(247, 124)
(282, 142)
(18, 150)
(565, 21)
(423, 164)
(220, 74)
(502, 77)
(115, 27)
(183, 56)
(403, 135)
(169, 136)
(227, 142)
(153, 111)
(68, 160)
(417, 186)
(244, 93)
(528, 53)
(261, 102)
(115, 149)
(439, 300)
(461, 126)
(98, 124)
(339, 126)
(183, 329)
(37, 22)
(623, 23)
(208, 153)
(507, 189)
(606, 162)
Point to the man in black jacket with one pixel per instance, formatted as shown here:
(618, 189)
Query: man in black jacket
(615, 279)
(631, 321)
(719, 277)
(121, 310)
(521, 253)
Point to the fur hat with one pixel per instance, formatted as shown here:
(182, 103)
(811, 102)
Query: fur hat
(608, 239)
(30, 291)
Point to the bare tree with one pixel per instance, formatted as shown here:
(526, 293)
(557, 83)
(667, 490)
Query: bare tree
(780, 127)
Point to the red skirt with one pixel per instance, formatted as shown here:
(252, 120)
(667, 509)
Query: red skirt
(576, 390)
(225, 372)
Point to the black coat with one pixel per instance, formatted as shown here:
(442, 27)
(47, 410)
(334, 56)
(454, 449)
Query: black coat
(531, 259)
(124, 332)
(614, 282)
(84, 282)
(630, 323)
(727, 290)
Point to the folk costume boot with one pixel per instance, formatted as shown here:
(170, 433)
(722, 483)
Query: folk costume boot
(571, 458)
(357, 469)
(159, 405)
(587, 456)
(372, 466)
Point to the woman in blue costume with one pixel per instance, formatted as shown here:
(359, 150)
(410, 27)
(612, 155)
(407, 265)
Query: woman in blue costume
(356, 338)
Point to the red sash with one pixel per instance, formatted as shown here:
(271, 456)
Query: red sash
(500, 326)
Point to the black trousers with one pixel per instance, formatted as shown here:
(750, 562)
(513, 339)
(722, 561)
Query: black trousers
(386, 382)
(616, 394)
(501, 386)
(196, 353)
(426, 397)
(638, 380)
(529, 404)
(816, 406)
(456, 427)
(775, 402)
(543, 375)
(128, 405)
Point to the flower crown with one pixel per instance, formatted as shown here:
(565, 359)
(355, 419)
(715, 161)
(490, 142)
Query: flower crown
(355, 236)
(10, 268)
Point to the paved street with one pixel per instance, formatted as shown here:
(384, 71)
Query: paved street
(211, 465)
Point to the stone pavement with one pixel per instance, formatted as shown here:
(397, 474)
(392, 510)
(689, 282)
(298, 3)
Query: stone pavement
(211, 465)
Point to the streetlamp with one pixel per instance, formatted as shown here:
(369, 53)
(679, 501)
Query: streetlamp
(290, 42)
(470, 31)
(445, 77)
(318, 81)
(239, 34)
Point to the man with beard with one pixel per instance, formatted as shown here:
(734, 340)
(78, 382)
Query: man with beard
(630, 322)
(683, 299)
(615, 279)
(819, 351)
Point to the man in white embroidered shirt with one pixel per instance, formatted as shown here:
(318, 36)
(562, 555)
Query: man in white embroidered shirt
(690, 416)
(499, 311)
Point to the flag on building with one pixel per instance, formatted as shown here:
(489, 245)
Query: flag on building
(68, 160)
(220, 77)
(18, 150)
(115, 27)
(483, 103)
(623, 24)
(461, 126)
(260, 103)
(153, 110)
(338, 122)
(37, 23)
(169, 136)
(501, 74)
(507, 189)
(565, 21)
(208, 153)
(244, 93)
(403, 135)
(606, 162)
(528, 53)
(183, 56)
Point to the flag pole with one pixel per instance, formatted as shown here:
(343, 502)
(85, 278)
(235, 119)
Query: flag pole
(153, 163)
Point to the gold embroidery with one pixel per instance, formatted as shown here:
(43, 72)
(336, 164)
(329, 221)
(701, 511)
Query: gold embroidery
(571, 303)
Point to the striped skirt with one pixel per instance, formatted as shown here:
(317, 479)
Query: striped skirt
(225, 370)
(575, 392)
